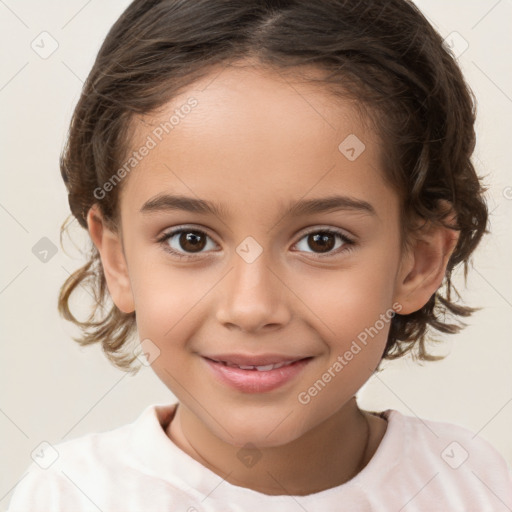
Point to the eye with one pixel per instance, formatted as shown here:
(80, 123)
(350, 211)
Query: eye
(324, 241)
(190, 240)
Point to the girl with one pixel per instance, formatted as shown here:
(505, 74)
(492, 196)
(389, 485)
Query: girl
(277, 192)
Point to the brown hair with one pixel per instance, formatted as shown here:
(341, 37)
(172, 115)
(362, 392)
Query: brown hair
(383, 54)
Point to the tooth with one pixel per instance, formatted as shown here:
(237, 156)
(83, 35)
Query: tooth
(265, 368)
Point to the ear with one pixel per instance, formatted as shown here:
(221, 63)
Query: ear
(424, 263)
(113, 260)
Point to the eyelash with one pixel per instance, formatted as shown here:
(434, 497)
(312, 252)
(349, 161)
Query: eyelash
(348, 242)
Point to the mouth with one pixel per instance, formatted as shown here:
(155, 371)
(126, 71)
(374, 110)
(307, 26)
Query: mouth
(259, 368)
(256, 377)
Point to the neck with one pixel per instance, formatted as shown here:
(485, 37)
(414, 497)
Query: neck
(328, 455)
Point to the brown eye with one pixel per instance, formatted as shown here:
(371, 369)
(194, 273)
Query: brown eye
(185, 243)
(325, 242)
(192, 241)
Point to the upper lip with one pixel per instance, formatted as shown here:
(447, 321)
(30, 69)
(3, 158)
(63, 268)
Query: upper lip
(255, 359)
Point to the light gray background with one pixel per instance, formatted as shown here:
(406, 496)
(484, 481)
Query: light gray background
(53, 390)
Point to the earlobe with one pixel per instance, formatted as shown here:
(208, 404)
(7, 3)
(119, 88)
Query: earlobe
(113, 260)
(424, 266)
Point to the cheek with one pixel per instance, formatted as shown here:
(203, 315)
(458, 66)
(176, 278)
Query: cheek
(349, 300)
(165, 302)
(352, 314)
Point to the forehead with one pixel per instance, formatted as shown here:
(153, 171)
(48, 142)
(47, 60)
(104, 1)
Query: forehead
(249, 134)
(240, 93)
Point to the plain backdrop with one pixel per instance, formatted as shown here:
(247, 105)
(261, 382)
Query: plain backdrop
(53, 390)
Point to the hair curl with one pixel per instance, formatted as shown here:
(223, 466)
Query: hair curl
(383, 54)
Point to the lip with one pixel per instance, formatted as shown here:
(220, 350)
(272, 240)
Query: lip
(255, 381)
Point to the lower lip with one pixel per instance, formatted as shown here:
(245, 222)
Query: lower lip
(254, 381)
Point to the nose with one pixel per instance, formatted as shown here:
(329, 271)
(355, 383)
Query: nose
(253, 297)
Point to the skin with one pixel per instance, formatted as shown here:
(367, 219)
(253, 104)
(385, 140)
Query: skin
(257, 141)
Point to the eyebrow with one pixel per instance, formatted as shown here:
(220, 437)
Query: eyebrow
(165, 202)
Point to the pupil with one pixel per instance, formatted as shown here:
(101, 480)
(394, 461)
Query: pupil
(322, 242)
(193, 240)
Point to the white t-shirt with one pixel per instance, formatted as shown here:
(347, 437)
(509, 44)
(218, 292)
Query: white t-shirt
(420, 465)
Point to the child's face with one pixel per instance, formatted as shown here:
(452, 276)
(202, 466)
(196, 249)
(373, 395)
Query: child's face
(255, 145)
